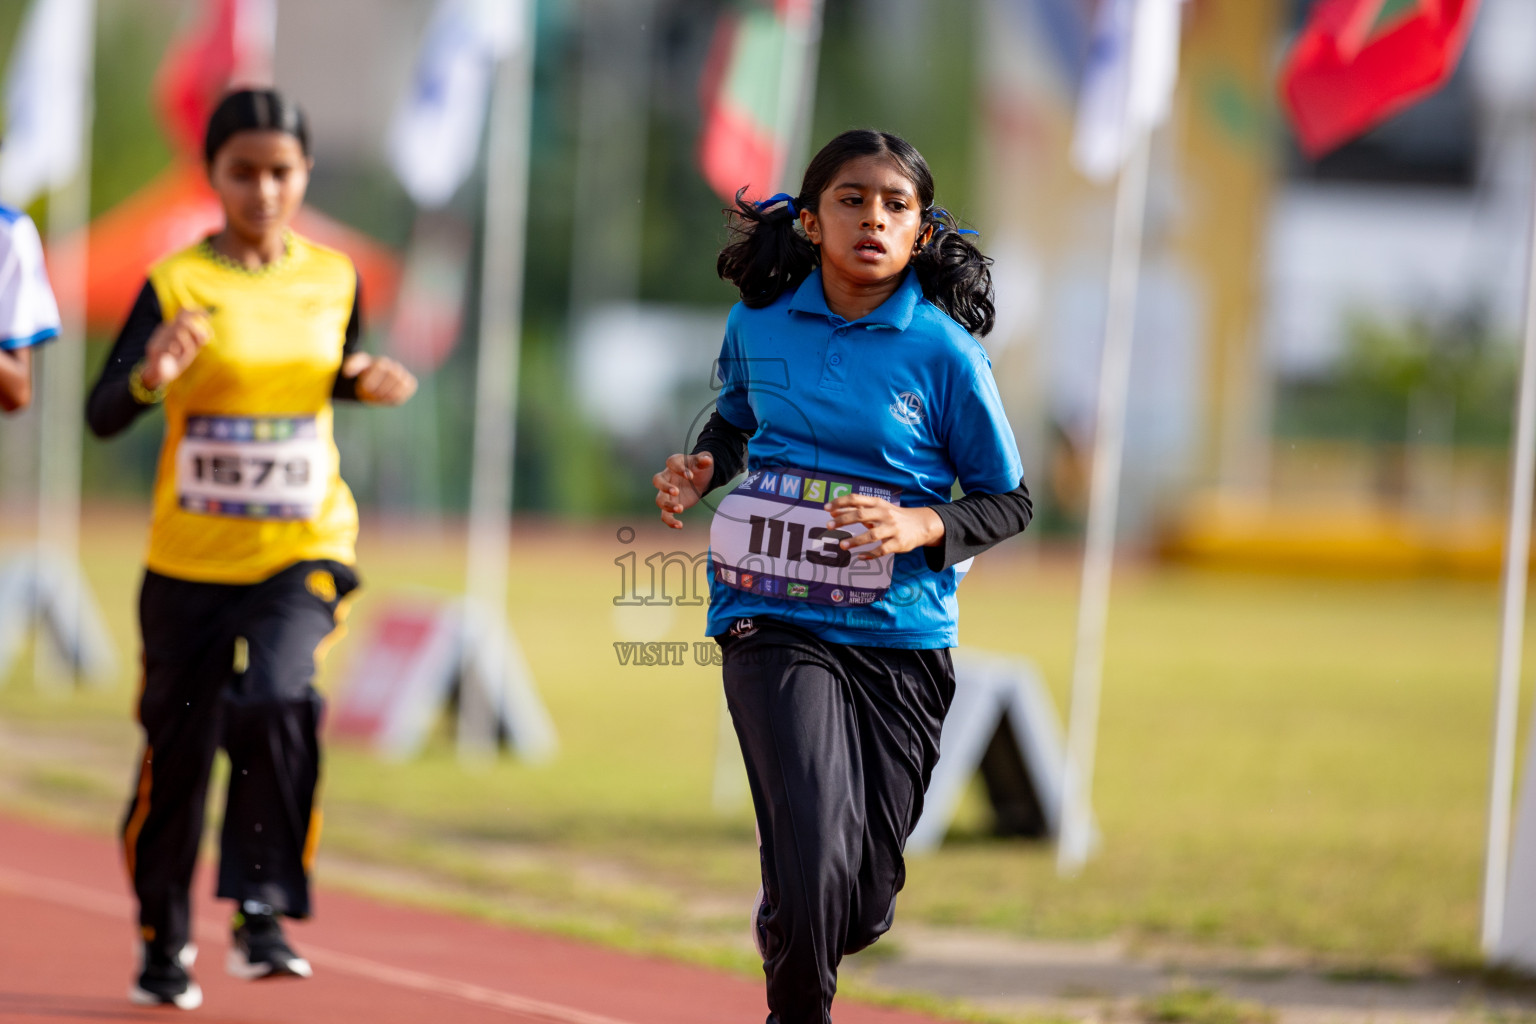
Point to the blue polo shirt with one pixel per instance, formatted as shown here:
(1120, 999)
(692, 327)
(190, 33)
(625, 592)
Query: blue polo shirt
(903, 397)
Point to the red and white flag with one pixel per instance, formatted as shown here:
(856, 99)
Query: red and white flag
(755, 84)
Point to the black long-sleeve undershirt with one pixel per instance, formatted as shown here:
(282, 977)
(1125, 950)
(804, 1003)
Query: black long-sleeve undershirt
(111, 406)
(972, 523)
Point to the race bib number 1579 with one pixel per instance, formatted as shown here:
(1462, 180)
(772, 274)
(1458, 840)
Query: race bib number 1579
(253, 467)
(770, 537)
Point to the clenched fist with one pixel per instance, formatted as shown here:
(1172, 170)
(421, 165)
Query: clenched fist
(173, 346)
(380, 380)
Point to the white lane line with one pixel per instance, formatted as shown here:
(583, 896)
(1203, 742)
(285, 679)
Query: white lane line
(553, 1013)
(67, 894)
(96, 901)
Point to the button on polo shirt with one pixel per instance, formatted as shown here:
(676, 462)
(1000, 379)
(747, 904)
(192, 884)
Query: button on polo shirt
(902, 396)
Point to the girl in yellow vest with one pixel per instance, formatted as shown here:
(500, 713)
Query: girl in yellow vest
(245, 339)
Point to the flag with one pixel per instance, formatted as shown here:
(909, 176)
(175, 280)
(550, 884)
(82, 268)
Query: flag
(752, 91)
(1128, 83)
(47, 99)
(435, 136)
(230, 46)
(1358, 62)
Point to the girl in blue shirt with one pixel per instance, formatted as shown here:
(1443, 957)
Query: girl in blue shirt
(856, 397)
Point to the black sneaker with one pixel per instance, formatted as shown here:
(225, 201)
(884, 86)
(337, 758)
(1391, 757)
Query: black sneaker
(259, 948)
(164, 978)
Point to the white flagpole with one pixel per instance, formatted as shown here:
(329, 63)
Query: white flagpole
(1517, 549)
(1076, 839)
(61, 374)
(501, 305)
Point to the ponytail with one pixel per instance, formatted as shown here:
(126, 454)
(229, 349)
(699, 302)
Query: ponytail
(767, 255)
(956, 276)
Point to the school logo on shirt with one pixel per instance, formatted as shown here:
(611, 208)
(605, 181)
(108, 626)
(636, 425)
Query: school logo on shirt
(908, 408)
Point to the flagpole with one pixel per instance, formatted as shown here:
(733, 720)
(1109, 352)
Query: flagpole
(1076, 838)
(1517, 549)
(61, 374)
(501, 303)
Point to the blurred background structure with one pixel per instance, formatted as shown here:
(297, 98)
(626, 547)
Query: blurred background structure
(1329, 335)
(1318, 424)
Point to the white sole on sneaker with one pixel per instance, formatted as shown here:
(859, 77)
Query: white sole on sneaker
(191, 999)
(187, 957)
(238, 966)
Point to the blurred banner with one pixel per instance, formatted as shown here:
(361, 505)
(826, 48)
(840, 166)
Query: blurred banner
(756, 92)
(435, 138)
(1133, 65)
(47, 101)
(1358, 62)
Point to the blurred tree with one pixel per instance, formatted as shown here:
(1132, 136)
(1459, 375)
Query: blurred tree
(1430, 379)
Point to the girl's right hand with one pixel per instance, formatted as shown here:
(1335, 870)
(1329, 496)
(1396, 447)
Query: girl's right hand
(682, 484)
(173, 346)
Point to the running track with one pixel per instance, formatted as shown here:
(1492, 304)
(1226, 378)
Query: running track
(66, 956)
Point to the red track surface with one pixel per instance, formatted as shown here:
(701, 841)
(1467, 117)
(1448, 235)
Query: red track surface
(66, 956)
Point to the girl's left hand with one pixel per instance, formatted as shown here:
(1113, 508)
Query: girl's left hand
(380, 380)
(896, 529)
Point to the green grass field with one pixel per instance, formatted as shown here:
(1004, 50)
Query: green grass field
(1291, 763)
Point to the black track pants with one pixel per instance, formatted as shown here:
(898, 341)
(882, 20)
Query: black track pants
(231, 666)
(839, 744)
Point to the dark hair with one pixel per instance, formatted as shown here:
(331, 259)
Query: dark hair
(768, 256)
(254, 110)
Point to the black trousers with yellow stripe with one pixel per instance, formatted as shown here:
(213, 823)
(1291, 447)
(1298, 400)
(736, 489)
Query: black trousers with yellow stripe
(230, 666)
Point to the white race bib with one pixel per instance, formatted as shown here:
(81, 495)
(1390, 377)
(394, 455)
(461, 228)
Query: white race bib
(253, 467)
(770, 537)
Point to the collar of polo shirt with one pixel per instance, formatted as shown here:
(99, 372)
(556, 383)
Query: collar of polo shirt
(895, 312)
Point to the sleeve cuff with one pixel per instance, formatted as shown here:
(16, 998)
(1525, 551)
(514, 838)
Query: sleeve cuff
(345, 388)
(27, 341)
(942, 555)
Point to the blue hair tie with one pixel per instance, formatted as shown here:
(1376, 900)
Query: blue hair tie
(782, 197)
(940, 215)
(941, 227)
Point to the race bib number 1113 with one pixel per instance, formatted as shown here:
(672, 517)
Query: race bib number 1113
(770, 537)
